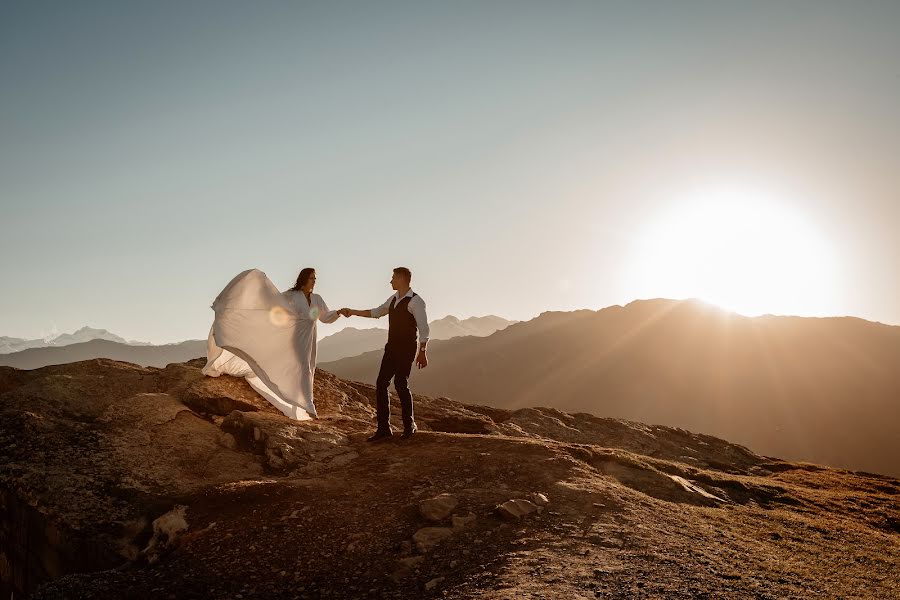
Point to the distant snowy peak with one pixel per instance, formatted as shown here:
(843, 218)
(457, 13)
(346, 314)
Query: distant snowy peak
(85, 334)
(8, 345)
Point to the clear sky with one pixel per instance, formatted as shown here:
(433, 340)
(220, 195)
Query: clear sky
(518, 156)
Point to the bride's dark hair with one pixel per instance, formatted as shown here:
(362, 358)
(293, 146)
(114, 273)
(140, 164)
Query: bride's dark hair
(302, 277)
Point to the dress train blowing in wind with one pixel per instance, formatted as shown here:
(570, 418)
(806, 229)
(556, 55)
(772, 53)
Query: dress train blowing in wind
(269, 338)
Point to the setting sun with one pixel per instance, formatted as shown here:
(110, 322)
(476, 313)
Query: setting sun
(739, 249)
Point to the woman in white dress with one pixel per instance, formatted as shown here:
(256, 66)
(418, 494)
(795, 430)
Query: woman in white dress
(269, 337)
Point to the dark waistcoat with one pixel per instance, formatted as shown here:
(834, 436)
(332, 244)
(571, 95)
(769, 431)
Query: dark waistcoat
(401, 324)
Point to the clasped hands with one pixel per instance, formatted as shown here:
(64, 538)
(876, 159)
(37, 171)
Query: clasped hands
(345, 312)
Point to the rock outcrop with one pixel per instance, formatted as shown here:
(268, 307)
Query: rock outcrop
(123, 481)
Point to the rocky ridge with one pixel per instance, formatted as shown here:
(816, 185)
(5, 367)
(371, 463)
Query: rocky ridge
(117, 479)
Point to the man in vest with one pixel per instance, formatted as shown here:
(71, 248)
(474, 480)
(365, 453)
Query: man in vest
(406, 314)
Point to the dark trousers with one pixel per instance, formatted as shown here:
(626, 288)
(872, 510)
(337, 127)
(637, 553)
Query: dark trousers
(396, 364)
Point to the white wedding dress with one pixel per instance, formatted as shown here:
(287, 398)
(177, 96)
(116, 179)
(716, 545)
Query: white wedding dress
(268, 337)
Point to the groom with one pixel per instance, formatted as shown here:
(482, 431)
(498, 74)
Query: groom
(406, 314)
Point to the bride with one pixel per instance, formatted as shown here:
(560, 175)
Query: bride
(269, 337)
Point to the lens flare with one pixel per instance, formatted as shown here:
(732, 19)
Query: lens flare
(314, 313)
(279, 316)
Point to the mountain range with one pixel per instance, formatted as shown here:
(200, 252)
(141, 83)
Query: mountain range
(820, 389)
(88, 343)
(351, 341)
(9, 345)
(147, 355)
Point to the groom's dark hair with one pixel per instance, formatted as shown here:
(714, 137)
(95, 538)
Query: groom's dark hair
(405, 272)
(302, 277)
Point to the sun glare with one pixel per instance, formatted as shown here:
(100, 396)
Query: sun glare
(740, 250)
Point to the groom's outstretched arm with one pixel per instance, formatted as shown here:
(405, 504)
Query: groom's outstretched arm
(372, 313)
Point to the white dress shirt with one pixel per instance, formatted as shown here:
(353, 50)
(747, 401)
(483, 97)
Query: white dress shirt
(416, 308)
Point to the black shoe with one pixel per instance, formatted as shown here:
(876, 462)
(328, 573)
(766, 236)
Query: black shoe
(408, 433)
(380, 435)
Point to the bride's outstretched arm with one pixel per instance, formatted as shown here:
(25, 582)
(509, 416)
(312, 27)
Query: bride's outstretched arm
(328, 316)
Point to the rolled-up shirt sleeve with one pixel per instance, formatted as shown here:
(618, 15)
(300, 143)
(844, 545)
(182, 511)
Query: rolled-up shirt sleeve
(416, 308)
(383, 309)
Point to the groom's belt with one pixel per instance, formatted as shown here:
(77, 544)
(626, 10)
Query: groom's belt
(402, 343)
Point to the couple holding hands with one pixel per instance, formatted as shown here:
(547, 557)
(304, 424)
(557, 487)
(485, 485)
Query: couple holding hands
(269, 337)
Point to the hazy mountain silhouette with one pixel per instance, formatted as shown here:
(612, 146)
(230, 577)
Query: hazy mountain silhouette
(14, 344)
(451, 327)
(819, 389)
(85, 334)
(351, 341)
(146, 355)
(88, 343)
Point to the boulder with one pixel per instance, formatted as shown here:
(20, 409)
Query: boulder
(438, 508)
(540, 499)
(514, 510)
